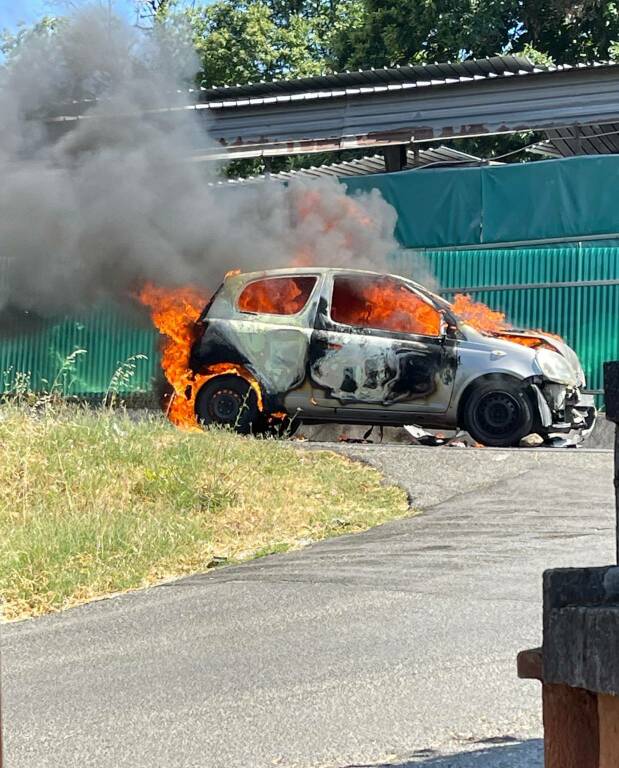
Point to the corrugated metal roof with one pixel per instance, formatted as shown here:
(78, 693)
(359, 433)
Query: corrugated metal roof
(550, 99)
(434, 156)
(378, 80)
(544, 148)
(372, 80)
(378, 108)
(585, 139)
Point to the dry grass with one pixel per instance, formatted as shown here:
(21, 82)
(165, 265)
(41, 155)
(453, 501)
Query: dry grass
(94, 502)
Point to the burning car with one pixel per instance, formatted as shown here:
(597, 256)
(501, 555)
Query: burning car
(350, 346)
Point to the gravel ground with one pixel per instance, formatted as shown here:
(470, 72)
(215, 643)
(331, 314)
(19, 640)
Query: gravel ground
(393, 647)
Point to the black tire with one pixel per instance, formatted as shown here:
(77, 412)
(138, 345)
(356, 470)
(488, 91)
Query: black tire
(228, 401)
(498, 413)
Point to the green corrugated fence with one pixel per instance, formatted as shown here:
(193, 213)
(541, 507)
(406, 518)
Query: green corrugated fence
(109, 337)
(500, 211)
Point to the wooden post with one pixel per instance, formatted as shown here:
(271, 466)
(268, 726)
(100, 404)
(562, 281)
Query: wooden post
(611, 400)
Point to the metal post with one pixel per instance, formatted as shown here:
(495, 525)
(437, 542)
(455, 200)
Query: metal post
(611, 400)
(395, 157)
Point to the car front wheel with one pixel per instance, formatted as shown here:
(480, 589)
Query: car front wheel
(498, 413)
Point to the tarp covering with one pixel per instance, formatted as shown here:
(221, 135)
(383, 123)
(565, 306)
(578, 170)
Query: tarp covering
(571, 199)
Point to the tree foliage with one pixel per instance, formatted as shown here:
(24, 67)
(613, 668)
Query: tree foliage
(242, 41)
(11, 42)
(402, 31)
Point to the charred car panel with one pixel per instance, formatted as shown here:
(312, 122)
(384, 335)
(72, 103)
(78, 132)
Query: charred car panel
(314, 362)
(371, 370)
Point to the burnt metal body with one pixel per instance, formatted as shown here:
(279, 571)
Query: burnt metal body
(320, 370)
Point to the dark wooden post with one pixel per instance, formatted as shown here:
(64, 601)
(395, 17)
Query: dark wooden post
(611, 400)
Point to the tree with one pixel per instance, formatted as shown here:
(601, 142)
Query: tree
(242, 41)
(571, 31)
(150, 11)
(404, 31)
(416, 31)
(12, 42)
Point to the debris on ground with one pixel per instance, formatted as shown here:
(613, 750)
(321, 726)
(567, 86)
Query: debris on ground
(532, 441)
(421, 437)
(564, 441)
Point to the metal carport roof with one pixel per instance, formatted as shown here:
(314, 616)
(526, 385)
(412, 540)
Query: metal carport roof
(439, 157)
(394, 106)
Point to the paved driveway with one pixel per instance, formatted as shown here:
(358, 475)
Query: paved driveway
(396, 646)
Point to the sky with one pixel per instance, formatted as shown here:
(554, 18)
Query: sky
(13, 12)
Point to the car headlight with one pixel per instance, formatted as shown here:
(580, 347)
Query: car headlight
(555, 367)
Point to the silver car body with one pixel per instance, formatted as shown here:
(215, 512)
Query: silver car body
(308, 365)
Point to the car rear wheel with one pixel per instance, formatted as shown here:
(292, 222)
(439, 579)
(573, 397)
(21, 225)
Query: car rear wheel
(498, 413)
(228, 401)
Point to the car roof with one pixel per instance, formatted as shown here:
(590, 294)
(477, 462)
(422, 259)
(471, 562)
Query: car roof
(246, 277)
(285, 271)
(304, 271)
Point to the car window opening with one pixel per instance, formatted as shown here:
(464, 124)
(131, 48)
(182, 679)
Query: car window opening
(382, 303)
(277, 295)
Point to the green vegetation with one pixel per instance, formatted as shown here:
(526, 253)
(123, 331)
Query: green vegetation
(96, 501)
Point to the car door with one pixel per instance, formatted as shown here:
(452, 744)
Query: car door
(379, 343)
(271, 328)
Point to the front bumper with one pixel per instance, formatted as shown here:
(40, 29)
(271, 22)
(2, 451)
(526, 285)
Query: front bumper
(582, 413)
(562, 411)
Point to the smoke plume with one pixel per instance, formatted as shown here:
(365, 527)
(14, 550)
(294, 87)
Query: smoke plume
(93, 212)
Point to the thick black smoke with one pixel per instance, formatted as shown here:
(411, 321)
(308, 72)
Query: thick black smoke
(92, 212)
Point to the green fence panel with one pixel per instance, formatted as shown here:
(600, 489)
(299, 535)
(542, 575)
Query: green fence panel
(568, 199)
(519, 282)
(439, 211)
(38, 358)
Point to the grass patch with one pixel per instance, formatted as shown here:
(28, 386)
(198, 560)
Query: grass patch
(94, 502)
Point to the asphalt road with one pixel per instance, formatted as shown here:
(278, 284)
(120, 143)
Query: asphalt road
(394, 647)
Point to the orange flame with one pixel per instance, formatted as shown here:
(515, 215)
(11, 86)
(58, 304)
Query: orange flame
(533, 342)
(492, 322)
(174, 312)
(277, 295)
(384, 304)
(478, 315)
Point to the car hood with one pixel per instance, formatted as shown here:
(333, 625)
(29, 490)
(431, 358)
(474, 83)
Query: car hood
(546, 340)
(527, 342)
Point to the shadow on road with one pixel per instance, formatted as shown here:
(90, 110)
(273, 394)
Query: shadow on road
(501, 752)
